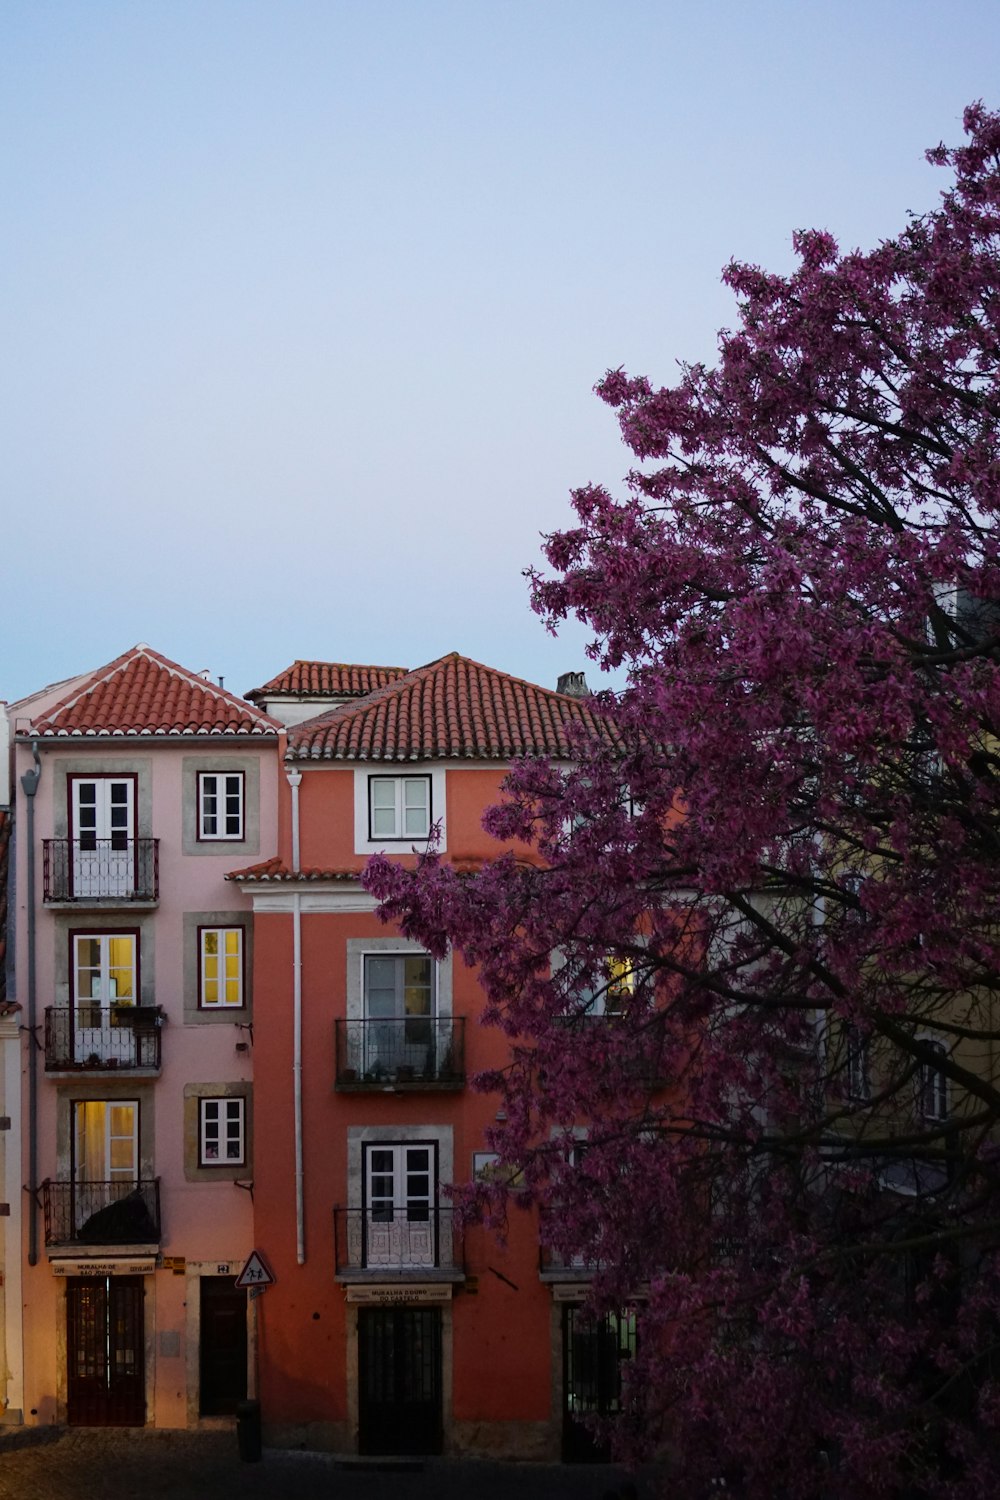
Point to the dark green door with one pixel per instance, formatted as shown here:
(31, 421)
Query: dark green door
(399, 1379)
(593, 1351)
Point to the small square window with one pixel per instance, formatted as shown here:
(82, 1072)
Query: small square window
(399, 807)
(220, 968)
(220, 805)
(222, 1132)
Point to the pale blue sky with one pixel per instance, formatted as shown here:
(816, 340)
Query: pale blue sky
(304, 300)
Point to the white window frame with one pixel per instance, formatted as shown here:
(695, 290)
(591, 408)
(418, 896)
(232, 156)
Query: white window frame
(365, 842)
(227, 1109)
(616, 984)
(932, 1084)
(419, 1207)
(220, 979)
(857, 1061)
(399, 785)
(402, 1227)
(402, 1038)
(98, 1009)
(221, 795)
(83, 1169)
(398, 958)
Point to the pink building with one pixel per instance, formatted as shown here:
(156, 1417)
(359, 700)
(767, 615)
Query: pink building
(138, 786)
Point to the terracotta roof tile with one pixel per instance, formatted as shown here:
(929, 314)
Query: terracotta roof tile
(327, 679)
(453, 708)
(143, 693)
(276, 869)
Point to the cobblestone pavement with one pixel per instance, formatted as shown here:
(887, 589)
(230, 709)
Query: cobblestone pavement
(124, 1464)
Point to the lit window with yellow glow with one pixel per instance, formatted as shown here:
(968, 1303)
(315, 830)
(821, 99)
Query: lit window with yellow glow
(221, 968)
(621, 982)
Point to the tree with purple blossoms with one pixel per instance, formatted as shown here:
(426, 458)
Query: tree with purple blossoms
(750, 975)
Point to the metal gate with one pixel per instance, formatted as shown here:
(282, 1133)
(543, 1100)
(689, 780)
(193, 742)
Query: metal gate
(399, 1379)
(593, 1350)
(105, 1352)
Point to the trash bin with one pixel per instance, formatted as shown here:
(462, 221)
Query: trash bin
(248, 1431)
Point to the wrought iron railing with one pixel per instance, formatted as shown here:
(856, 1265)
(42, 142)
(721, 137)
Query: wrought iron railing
(409, 1053)
(564, 1259)
(87, 1038)
(418, 1238)
(565, 1262)
(123, 1212)
(115, 869)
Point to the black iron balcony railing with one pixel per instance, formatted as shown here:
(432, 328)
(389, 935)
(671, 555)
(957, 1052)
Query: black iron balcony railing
(418, 1238)
(88, 1037)
(564, 1259)
(559, 1262)
(122, 1212)
(411, 1053)
(115, 869)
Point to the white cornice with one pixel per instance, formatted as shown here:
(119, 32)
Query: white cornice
(316, 896)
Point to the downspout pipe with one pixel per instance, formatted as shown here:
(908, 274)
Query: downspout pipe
(29, 785)
(300, 1222)
(294, 778)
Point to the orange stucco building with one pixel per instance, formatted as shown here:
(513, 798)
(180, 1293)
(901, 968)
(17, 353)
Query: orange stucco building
(387, 1329)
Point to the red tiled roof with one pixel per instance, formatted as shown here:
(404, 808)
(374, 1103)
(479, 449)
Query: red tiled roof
(327, 679)
(453, 708)
(276, 869)
(143, 693)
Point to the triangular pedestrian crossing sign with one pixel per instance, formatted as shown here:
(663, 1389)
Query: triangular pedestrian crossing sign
(255, 1272)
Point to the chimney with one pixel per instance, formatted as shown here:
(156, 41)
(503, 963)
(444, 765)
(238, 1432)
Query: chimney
(573, 684)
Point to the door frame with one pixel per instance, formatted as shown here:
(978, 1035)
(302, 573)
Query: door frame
(240, 1302)
(400, 1199)
(102, 934)
(397, 1315)
(144, 1347)
(576, 1445)
(73, 781)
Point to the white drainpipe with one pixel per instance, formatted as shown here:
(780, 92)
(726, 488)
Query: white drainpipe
(300, 1217)
(294, 778)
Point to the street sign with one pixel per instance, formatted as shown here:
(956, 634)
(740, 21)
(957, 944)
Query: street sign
(255, 1273)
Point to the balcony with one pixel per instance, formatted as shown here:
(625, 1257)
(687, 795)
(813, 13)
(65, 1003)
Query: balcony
(419, 1240)
(562, 1262)
(122, 1212)
(89, 1038)
(555, 1265)
(105, 872)
(416, 1052)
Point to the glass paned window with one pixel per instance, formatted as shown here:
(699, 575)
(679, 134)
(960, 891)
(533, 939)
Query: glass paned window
(220, 805)
(858, 1075)
(104, 976)
(222, 1132)
(105, 1140)
(933, 1086)
(221, 967)
(399, 807)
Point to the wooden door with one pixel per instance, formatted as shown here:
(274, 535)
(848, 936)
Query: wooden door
(105, 1351)
(223, 1351)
